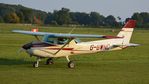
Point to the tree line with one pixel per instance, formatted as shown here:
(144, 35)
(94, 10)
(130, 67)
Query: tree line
(21, 14)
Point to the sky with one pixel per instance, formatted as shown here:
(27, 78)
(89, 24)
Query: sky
(121, 8)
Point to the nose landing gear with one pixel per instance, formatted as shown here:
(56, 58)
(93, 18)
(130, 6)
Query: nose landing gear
(36, 64)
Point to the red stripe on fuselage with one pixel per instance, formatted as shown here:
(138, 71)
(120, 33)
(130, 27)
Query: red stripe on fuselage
(60, 48)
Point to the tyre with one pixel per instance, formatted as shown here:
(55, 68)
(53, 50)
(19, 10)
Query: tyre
(35, 64)
(71, 64)
(49, 61)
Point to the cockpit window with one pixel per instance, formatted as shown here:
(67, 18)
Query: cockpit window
(57, 40)
(51, 40)
(62, 40)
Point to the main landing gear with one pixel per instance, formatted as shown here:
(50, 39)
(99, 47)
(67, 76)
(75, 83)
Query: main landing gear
(71, 64)
(49, 61)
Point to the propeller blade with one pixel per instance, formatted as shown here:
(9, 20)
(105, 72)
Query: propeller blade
(20, 50)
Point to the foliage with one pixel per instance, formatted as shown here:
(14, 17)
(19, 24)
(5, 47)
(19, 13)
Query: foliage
(62, 16)
(25, 15)
(21, 14)
(1, 19)
(142, 19)
(111, 21)
(12, 18)
(96, 19)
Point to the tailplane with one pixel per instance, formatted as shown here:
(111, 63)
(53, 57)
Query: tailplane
(126, 31)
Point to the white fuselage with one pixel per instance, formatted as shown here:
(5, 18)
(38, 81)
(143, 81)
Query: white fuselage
(73, 48)
(77, 48)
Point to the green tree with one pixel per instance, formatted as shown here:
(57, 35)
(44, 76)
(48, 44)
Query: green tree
(49, 19)
(142, 19)
(12, 18)
(96, 19)
(21, 16)
(28, 15)
(62, 16)
(80, 18)
(136, 16)
(145, 17)
(110, 21)
(1, 20)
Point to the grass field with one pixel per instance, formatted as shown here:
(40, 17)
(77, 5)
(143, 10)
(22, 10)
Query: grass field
(130, 66)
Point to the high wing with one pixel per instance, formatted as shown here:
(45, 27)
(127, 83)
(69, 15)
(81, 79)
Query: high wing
(63, 35)
(58, 34)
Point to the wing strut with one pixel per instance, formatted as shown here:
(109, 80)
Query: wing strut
(60, 48)
(37, 38)
(63, 46)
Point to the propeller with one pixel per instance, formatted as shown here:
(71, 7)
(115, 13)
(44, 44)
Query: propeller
(20, 50)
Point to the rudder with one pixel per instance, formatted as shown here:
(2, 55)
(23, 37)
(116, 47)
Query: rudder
(126, 31)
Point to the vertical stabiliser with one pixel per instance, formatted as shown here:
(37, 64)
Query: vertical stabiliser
(127, 31)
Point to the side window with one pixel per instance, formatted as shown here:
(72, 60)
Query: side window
(62, 40)
(57, 40)
(51, 40)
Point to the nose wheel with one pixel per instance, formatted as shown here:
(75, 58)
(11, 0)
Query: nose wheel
(36, 64)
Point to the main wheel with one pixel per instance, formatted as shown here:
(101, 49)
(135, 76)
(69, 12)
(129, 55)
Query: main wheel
(49, 61)
(71, 64)
(35, 64)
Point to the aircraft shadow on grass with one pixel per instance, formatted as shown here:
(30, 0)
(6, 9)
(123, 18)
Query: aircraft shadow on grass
(14, 62)
(5, 61)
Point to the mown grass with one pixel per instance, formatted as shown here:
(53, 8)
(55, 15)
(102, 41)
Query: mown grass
(129, 66)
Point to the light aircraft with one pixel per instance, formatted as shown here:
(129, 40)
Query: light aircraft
(55, 45)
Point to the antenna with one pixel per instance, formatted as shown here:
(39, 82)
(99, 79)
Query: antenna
(72, 29)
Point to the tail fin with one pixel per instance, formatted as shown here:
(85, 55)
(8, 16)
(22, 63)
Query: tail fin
(127, 31)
